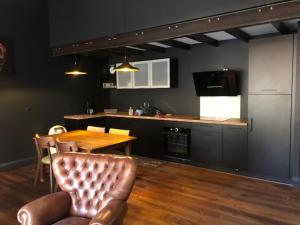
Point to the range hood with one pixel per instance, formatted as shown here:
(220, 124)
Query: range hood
(216, 83)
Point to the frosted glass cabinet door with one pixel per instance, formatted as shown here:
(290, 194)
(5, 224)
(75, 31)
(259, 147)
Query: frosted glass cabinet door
(160, 73)
(141, 78)
(124, 80)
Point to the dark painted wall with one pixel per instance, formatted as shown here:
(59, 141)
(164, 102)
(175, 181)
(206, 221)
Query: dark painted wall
(38, 94)
(77, 20)
(144, 14)
(183, 100)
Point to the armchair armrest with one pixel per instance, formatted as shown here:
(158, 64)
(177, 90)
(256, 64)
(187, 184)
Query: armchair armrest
(111, 214)
(45, 210)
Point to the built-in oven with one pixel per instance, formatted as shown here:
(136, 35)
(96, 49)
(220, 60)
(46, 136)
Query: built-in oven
(177, 142)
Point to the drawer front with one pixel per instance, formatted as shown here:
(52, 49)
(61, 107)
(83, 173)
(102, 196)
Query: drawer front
(176, 124)
(206, 155)
(206, 144)
(206, 139)
(207, 128)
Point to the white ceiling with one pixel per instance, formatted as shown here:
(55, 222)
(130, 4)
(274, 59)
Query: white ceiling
(220, 36)
(260, 30)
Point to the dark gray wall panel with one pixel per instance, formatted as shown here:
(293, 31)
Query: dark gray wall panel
(78, 20)
(144, 14)
(38, 94)
(183, 100)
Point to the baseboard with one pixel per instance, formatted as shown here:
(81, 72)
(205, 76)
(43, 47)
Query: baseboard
(296, 181)
(17, 163)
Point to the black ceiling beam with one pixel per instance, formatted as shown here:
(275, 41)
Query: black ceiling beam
(129, 51)
(239, 34)
(152, 48)
(204, 39)
(281, 27)
(176, 44)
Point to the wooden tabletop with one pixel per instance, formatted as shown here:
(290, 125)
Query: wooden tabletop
(89, 141)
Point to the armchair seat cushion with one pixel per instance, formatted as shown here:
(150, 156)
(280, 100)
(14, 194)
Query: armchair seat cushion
(73, 220)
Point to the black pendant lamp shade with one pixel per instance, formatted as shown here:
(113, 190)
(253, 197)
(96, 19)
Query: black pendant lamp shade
(76, 71)
(126, 67)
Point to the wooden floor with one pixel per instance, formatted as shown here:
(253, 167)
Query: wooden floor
(169, 193)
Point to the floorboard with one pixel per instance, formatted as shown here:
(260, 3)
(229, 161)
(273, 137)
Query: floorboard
(170, 193)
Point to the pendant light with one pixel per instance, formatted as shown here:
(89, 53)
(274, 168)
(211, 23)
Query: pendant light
(75, 71)
(126, 67)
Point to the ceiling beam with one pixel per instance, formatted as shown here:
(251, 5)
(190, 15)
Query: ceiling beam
(129, 51)
(176, 44)
(239, 34)
(152, 48)
(281, 27)
(281, 11)
(204, 39)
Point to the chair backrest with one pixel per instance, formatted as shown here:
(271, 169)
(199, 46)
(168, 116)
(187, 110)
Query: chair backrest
(70, 146)
(119, 131)
(57, 129)
(43, 144)
(96, 129)
(93, 180)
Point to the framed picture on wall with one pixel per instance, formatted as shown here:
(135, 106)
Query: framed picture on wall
(6, 56)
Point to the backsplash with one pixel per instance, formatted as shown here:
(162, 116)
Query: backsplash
(221, 107)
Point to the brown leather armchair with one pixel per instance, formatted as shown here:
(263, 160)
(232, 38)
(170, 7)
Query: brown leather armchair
(95, 189)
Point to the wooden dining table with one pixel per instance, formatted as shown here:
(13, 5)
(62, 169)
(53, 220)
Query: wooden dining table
(89, 141)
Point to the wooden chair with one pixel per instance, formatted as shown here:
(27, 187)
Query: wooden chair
(57, 129)
(118, 151)
(96, 129)
(70, 146)
(44, 158)
(119, 131)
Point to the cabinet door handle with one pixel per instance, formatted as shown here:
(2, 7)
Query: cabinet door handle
(269, 89)
(251, 124)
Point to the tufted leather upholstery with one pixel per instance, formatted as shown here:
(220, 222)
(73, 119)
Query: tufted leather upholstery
(98, 186)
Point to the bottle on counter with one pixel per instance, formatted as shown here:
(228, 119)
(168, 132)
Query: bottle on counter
(130, 111)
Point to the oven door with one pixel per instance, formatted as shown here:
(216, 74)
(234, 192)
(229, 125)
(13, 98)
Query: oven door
(177, 142)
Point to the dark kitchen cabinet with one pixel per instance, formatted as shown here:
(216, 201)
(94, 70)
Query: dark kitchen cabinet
(206, 144)
(149, 133)
(269, 134)
(235, 149)
(71, 124)
(271, 65)
(76, 20)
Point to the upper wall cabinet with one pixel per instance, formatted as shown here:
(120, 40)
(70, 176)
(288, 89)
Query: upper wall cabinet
(76, 20)
(159, 73)
(271, 65)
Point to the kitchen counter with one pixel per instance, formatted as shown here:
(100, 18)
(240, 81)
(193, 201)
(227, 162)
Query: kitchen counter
(178, 118)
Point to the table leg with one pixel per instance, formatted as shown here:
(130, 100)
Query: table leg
(128, 148)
